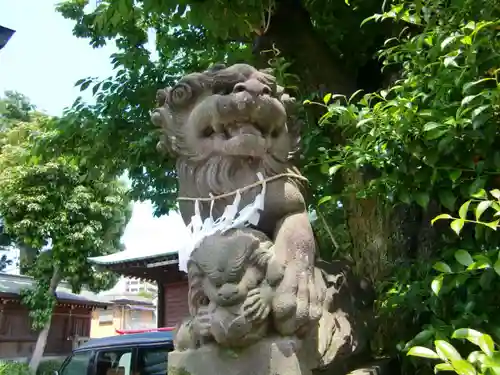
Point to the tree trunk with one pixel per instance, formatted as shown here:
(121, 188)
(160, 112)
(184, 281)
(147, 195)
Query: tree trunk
(379, 234)
(292, 33)
(41, 342)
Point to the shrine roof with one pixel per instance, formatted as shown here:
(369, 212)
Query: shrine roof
(11, 287)
(127, 256)
(5, 35)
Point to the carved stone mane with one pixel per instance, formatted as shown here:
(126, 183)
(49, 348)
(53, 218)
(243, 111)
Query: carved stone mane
(223, 134)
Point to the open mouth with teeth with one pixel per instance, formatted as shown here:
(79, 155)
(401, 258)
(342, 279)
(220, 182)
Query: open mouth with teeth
(238, 129)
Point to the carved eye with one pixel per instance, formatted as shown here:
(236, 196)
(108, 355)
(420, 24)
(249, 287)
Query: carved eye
(207, 132)
(181, 93)
(275, 133)
(223, 88)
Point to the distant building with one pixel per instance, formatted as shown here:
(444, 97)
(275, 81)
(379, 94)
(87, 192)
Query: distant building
(5, 35)
(162, 268)
(125, 312)
(71, 321)
(138, 285)
(131, 285)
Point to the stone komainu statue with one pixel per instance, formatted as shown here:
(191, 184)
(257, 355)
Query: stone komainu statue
(225, 126)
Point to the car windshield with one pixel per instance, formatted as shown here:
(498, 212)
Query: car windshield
(153, 360)
(77, 364)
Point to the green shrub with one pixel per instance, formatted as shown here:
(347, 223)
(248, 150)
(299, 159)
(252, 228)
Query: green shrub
(14, 368)
(476, 272)
(48, 367)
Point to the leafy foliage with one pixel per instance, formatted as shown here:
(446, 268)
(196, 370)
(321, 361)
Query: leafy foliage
(14, 368)
(61, 212)
(392, 158)
(429, 139)
(433, 133)
(48, 367)
(477, 274)
(485, 361)
(186, 37)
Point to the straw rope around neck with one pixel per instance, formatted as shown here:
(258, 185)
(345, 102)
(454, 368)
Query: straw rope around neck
(245, 188)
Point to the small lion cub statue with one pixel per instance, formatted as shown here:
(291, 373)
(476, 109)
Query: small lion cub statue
(232, 279)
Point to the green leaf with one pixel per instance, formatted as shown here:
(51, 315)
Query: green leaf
(455, 174)
(442, 267)
(327, 98)
(486, 279)
(467, 333)
(450, 61)
(493, 224)
(422, 198)
(476, 356)
(463, 257)
(447, 41)
(446, 351)
(435, 133)
(404, 197)
(486, 344)
(355, 94)
(324, 199)
(480, 194)
(334, 169)
(420, 351)
(443, 367)
(462, 367)
(466, 40)
(423, 336)
(364, 121)
(457, 225)
(469, 85)
(476, 112)
(431, 126)
(80, 81)
(447, 199)
(495, 193)
(106, 85)
(96, 88)
(468, 99)
(436, 284)
(481, 207)
(462, 212)
(440, 217)
(85, 85)
(496, 267)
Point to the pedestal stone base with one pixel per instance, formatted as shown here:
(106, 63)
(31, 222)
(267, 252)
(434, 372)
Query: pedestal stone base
(272, 356)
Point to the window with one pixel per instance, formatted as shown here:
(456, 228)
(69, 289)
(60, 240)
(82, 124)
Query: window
(77, 364)
(114, 362)
(153, 361)
(105, 316)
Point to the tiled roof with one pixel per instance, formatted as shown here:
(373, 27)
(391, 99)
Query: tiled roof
(14, 284)
(5, 35)
(130, 256)
(125, 298)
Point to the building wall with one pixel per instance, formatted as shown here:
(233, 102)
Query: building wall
(106, 322)
(17, 340)
(175, 305)
(136, 286)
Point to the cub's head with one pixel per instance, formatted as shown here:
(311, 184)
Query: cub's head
(229, 265)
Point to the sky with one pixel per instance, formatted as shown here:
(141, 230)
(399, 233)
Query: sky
(43, 60)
